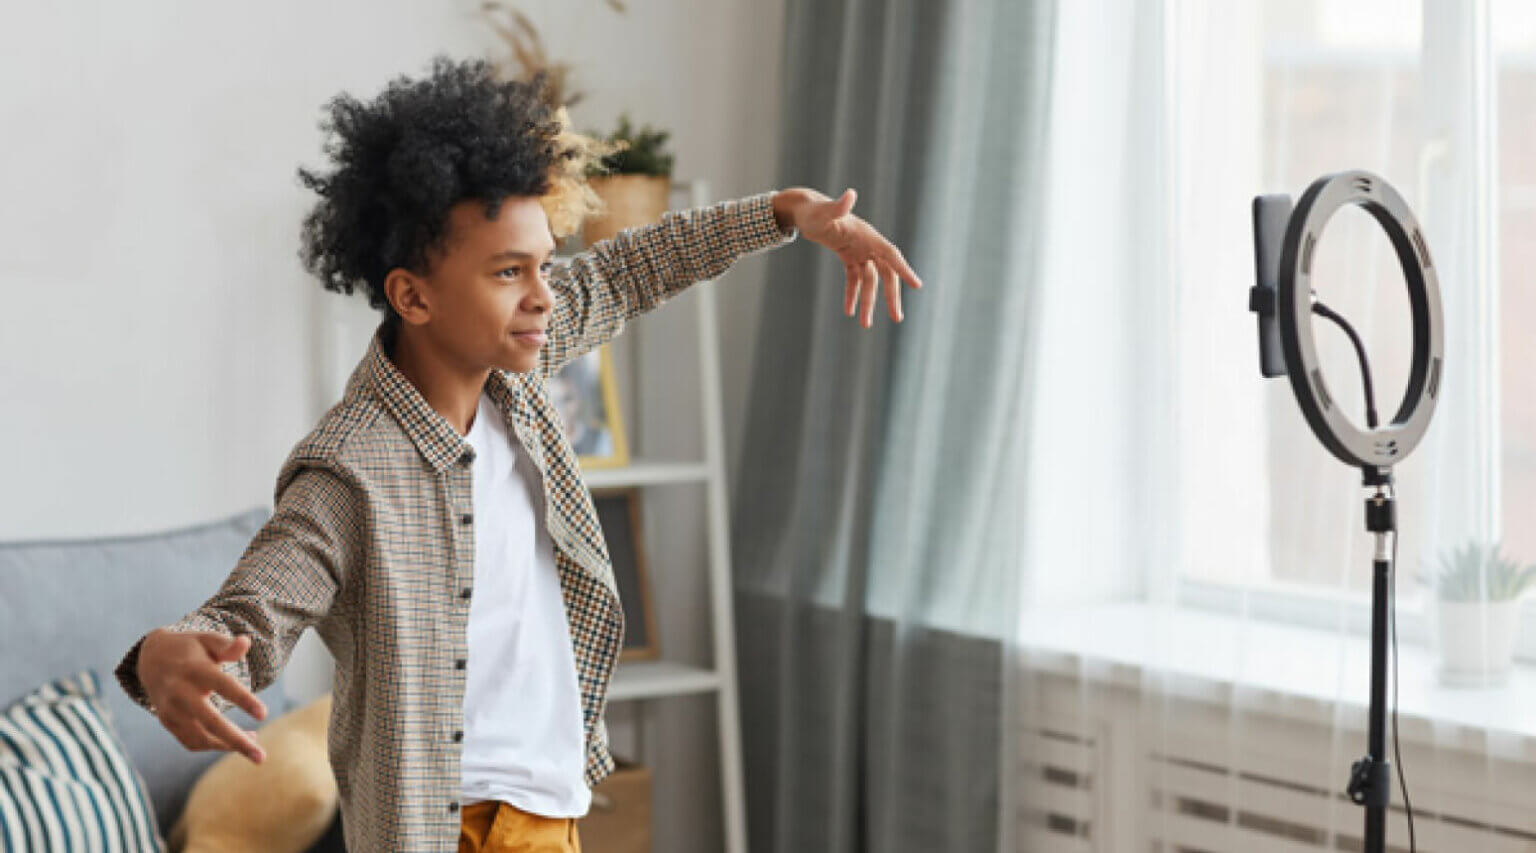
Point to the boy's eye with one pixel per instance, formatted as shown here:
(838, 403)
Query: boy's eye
(518, 270)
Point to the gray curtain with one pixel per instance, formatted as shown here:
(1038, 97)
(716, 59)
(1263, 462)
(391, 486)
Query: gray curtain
(876, 517)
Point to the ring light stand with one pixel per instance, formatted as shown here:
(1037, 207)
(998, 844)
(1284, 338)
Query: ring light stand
(1285, 241)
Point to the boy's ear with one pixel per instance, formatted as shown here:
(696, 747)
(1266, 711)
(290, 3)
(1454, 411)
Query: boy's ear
(406, 292)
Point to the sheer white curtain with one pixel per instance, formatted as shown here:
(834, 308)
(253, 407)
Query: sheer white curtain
(1193, 648)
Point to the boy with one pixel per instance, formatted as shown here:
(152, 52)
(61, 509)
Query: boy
(434, 527)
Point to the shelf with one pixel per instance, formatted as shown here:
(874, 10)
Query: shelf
(645, 679)
(645, 472)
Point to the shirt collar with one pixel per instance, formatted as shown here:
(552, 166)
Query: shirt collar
(439, 443)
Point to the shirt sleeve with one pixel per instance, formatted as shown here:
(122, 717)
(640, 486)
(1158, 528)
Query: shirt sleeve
(287, 580)
(639, 269)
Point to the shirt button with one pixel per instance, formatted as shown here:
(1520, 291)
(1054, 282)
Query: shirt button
(466, 518)
(453, 807)
(464, 593)
(458, 737)
(459, 664)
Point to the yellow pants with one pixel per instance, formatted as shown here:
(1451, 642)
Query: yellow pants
(492, 826)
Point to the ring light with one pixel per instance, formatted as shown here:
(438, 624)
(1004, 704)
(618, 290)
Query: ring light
(1387, 445)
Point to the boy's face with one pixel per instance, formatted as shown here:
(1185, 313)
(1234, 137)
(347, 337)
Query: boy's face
(487, 286)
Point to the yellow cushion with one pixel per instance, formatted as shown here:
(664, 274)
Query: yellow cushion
(285, 803)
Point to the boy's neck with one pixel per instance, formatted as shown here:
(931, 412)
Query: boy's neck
(448, 389)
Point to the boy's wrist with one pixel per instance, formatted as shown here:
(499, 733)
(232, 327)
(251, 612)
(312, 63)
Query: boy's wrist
(787, 204)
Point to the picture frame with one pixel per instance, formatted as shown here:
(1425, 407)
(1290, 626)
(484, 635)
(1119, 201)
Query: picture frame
(586, 395)
(618, 512)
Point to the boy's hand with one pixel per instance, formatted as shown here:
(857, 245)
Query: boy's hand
(180, 671)
(866, 255)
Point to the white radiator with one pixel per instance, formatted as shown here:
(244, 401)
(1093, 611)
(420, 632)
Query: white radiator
(1102, 770)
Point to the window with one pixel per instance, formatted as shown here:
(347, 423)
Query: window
(1267, 97)
(1514, 40)
(1165, 467)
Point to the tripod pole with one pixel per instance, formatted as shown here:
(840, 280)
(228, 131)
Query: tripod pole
(1370, 782)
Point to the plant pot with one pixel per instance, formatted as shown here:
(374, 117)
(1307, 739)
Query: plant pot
(1476, 642)
(631, 200)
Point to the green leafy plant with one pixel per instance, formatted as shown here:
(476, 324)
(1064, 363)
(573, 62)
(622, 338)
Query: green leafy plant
(641, 152)
(1474, 572)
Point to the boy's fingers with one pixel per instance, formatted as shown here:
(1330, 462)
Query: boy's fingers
(226, 732)
(230, 688)
(191, 733)
(851, 289)
(214, 640)
(234, 649)
(869, 290)
(892, 292)
(216, 644)
(900, 263)
(207, 739)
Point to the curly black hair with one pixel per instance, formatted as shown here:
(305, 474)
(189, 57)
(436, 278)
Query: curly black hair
(405, 158)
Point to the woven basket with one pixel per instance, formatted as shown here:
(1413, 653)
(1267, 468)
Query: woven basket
(631, 200)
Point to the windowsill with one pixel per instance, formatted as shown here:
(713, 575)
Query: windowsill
(1286, 669)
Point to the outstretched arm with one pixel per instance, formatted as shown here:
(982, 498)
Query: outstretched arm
(639, 269)
(287, 580)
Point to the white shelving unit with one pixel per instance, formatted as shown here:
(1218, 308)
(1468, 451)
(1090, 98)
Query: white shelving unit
(638, 680)
(642, 472)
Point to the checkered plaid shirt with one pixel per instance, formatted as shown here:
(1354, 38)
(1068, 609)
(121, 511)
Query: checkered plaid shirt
(371, 541)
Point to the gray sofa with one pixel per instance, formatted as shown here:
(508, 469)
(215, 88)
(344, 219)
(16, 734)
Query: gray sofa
(77, 604)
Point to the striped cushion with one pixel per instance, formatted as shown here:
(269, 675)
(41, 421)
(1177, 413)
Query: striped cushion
(65, 781)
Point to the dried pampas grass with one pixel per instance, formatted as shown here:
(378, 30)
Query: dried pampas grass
(571, 199)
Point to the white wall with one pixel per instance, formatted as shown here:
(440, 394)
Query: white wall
(157, 349)
(156, 345)
(158, 352)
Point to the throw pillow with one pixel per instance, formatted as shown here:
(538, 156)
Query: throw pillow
(285, 803)
(66, 783)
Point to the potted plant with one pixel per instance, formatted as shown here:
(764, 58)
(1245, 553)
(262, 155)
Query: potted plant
(1478, 593)
(634, 181)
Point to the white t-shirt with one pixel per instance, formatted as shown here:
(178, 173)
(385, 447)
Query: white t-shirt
(523, 734)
